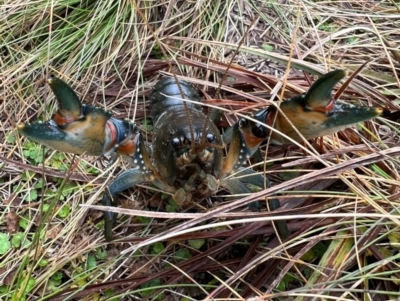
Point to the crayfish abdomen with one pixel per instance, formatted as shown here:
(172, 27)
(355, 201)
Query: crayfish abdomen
(167, 93)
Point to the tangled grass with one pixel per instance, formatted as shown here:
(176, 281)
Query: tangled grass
(341, 206)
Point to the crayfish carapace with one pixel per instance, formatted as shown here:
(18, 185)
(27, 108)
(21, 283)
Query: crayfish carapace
(186, 158)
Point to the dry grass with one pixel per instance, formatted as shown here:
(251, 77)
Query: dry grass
(341, 207)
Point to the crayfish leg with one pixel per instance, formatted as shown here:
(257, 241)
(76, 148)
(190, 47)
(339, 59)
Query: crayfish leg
(123, 181)
(245, 137)
(235, 185)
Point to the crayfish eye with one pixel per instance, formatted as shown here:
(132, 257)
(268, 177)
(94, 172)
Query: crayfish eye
(175, 142)
(259, 131)
(210, 138)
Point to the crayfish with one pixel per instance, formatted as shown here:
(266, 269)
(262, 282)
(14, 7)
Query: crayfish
(186, 157)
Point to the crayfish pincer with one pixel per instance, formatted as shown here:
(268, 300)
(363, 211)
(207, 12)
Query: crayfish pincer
(186, 157)
(315, 113)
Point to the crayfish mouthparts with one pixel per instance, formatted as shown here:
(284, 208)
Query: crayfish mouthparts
(187, 159)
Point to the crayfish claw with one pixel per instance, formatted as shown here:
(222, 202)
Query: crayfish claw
(316, 113)
(76, 128)
(47, 133)
(86, 135)
(319, 96)
(69, 104)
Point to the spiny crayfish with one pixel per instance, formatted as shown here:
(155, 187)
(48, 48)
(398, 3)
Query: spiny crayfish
(186, 156)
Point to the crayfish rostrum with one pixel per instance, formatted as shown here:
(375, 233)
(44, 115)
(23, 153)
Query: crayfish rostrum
(186, 156)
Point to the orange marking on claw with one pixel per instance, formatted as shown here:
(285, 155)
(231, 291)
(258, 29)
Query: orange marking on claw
(127, 148)
(62, 120)
(251, 140)
(328, 108)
